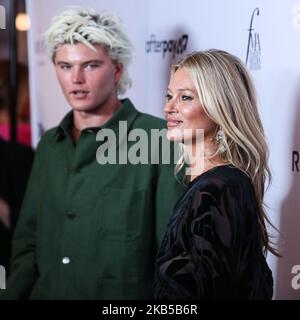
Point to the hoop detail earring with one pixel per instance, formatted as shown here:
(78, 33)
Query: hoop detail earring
(219, 138)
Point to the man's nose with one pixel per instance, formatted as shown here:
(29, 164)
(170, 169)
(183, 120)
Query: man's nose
(78, 76)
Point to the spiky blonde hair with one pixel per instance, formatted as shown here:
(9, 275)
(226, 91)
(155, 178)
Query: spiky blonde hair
(84, 25)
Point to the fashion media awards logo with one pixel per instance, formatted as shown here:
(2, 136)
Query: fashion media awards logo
(253, 56)
(2, 278)
(172, 46)
(2, 18)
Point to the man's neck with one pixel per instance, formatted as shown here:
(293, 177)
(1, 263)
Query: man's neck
(83, 119)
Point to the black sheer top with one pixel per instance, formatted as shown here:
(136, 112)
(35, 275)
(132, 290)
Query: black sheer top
(212, 248)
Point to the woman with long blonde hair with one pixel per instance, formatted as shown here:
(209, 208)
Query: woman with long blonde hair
(216, 242)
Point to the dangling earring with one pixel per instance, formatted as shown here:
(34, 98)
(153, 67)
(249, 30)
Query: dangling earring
(219, 138)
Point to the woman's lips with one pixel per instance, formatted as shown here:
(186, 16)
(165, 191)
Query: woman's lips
(173, 123)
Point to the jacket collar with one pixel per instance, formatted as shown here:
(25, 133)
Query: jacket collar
(126, 112)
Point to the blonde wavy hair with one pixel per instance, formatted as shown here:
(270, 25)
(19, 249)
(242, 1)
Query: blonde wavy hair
(227, 95)
(82, 25)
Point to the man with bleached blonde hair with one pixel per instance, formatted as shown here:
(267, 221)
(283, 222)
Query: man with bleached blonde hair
(90, 230)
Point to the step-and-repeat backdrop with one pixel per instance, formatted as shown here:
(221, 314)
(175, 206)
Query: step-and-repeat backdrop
(264, 34)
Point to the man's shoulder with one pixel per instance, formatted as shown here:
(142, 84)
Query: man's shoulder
(49, 134)
(47, 137)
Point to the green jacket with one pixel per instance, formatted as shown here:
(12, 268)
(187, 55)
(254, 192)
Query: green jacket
(90, 231)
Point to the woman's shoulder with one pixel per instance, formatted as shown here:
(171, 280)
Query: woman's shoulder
(224, 176)
(223, 184)
(223, 191)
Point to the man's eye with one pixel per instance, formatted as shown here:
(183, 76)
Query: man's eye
(65, 67)
(186, 98)
(92, 66)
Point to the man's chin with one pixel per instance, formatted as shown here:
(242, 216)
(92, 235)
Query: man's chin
(87, 109)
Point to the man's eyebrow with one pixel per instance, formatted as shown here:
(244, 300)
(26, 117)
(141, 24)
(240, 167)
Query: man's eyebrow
(82, 63)
(60, 62)
(93, 61)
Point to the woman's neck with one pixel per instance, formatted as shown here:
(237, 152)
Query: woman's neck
(200, 160)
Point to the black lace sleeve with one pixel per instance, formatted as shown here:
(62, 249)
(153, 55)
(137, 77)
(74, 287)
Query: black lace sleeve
(210, 248)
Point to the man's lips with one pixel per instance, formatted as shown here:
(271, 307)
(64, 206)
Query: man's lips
(79, 94)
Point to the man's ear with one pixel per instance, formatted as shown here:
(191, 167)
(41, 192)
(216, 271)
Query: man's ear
(119, 71)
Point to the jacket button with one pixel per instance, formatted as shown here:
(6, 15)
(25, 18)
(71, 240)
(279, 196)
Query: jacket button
(71, 215)
(66, 260)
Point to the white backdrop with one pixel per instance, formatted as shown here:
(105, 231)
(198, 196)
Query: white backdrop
(160, 32)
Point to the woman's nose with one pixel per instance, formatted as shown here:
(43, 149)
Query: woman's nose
(170, 106)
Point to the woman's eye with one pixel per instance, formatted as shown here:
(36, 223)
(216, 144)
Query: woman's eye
(186, 98)
(168, 97)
